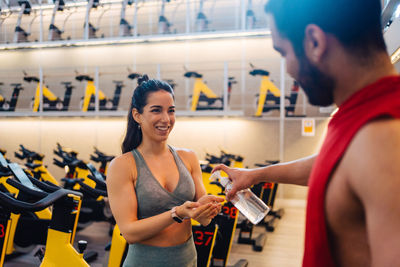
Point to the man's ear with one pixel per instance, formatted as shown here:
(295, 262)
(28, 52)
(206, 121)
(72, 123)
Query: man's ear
(315, 43)
(136, 115)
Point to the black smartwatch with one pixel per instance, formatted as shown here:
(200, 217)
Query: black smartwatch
(175, 216)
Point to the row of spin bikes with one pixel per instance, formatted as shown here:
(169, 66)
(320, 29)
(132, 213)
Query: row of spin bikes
(202, 98)
(39, 212)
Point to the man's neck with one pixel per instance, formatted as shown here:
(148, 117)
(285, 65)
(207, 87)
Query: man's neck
(355, 76)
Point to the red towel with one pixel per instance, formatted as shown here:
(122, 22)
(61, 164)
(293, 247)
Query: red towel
(378, 99)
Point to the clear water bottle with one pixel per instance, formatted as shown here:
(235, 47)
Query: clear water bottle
(245, 200)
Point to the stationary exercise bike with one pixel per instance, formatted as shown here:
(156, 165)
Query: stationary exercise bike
(50, 101)
(84, 177)
(36, 167)
(101, 158)
(20, 35)
(201, 19)
(125, 28)
(9, 105)
(89, 29)
(250, 16)
(89, 99)
(54, 32)
(269, 96)
(203, 97)
(60, 235)
(163, 23)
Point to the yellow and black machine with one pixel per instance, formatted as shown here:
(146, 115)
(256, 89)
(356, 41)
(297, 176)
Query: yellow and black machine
(103, 159)
(203, 98)
(21, 238)
(9, 105)
(89, 99)
(50, 101)
(34, 162)
(31, 198)
(85, 178)
(269, 95)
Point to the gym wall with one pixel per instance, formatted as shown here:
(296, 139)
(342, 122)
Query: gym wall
(257, 139)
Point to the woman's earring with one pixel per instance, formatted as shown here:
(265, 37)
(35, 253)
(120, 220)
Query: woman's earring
(138, 126)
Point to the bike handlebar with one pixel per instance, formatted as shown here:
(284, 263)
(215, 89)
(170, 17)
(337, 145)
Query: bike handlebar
(17, 206)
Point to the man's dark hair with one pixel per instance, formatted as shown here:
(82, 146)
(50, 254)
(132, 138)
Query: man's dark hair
(355, 23)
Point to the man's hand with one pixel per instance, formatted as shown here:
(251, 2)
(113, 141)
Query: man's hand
(241, 179)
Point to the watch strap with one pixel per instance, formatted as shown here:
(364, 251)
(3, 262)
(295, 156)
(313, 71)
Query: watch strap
(175, 216)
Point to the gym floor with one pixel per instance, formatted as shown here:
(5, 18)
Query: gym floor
(283, 247)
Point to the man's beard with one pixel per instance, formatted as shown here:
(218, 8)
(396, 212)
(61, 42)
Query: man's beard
(317, 85)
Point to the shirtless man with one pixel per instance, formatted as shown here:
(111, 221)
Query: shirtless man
(335, 50)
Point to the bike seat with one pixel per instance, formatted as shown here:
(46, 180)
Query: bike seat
(28, 6)
(61, 4)
(31, 79)
(134, 75)
(190, 74)
(260, 72)
(84, 78)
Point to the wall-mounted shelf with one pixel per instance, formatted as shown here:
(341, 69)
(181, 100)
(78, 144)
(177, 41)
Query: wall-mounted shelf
(139, 39)
(82, 23)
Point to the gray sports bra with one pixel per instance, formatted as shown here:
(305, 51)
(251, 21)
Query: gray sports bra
(152, 198)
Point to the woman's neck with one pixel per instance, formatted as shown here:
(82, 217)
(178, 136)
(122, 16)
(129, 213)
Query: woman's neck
(153, 148)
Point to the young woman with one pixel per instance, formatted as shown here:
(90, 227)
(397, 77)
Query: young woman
(153, 188)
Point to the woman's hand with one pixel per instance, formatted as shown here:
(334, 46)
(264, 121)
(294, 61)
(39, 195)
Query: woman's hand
(210, 199)
(203, 211)
(207, 215)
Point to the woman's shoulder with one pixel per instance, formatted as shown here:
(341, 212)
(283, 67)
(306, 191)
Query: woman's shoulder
(123, 159)
(124, 163)
(187, 155)
(185, 152)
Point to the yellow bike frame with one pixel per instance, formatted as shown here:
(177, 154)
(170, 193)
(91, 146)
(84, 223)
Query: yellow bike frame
(46, 93)
(118, 246)
(265, 86)
(91, 90)
(198, 88)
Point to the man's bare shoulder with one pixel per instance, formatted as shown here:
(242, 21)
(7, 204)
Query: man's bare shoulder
(373, 157)
(372, 166)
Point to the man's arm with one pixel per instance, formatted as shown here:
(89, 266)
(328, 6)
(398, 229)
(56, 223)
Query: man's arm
(295, 172)
(374, 176)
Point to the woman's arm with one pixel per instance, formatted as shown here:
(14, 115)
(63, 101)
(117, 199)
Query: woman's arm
(123, 202)
(192, 164)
